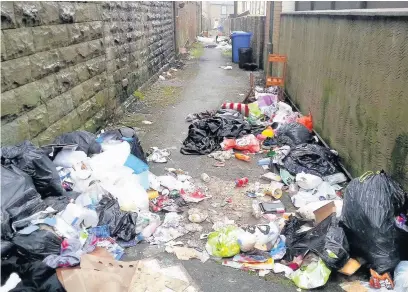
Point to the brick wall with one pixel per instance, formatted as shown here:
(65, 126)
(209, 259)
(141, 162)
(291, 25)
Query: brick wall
(69, 65)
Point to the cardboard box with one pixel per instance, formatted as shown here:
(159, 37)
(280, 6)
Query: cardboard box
(324, 212)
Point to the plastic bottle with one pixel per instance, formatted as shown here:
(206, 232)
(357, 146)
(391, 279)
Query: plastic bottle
(148, 230)
(243, 157)
(241, 182)
(256, 210)
(264, 161)
(74, 215)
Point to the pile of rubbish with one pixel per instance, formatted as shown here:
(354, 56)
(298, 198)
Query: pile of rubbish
(71, 209)
(339, 226)
(64, 202)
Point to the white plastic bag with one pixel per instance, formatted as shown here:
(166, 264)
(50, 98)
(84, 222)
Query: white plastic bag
(326, 191)
(170, 182)
(115, 155)
(303, 198)
(68, 158)
(401, 277)
(308, 181)
(130, 194)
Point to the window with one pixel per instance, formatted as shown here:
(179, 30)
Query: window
(224, 10)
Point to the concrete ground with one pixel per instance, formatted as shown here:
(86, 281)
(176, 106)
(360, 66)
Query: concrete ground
(202, 85)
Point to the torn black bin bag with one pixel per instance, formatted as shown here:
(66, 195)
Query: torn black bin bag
(128, 134)
(37, 245)
(37, 165)
(205, 136)
(293, 134)
(19, 199)
(86, 141)
(35, 276)
(371, 203)
(121, 224)
(311, 158)
(327, 240)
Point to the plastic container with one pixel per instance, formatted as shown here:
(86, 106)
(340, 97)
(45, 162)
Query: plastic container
(244, 56)
(243, 157)
(241, 182)
(141, 170)
(74, 215)
(240, 39)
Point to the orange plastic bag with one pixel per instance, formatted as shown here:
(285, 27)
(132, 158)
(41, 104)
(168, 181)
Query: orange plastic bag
(306, 121)
(248, 142)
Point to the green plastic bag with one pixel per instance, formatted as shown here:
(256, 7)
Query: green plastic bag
(254, 110)
(223, 243)
(315, 275)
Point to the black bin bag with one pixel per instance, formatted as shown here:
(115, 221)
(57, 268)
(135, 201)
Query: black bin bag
(37, 165)
(121, 224)
(311, 158)
(19, 199)
(327, 240)
(293, 134)
(37, 245)
(86, 141)
(370, 205)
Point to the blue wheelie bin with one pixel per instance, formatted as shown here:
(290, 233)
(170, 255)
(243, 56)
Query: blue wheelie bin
(240, 39)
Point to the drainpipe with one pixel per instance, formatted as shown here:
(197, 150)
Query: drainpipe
(176, 51)
(267, 39)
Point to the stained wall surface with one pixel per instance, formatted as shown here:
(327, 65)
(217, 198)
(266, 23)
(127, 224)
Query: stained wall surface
(351, 71)
(69, 65)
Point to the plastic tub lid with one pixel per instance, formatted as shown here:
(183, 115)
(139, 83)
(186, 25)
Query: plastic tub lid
(236, 33)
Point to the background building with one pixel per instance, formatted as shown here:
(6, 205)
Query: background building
(216, 13)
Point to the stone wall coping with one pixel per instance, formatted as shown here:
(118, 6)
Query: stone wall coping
(383, 12)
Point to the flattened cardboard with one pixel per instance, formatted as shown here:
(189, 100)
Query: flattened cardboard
(83, 280)
(124, 269)
(145, 279)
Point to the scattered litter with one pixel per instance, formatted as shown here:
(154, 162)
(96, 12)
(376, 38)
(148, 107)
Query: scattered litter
(193, 227)
(271, 176)
(197, 215)
(161, 77)
(242, 182)
(186, 253)
(195, 196)
(205, 177)
(226, 67)
(158, 155)
(170, 229)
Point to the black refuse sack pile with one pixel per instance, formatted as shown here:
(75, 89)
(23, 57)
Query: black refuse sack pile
(30, 185)
(370, 206)
(365, 229)
(311, 158)
(206, 135)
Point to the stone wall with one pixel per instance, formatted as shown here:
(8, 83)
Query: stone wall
(350, 69)
(256, 25)
(69, 65)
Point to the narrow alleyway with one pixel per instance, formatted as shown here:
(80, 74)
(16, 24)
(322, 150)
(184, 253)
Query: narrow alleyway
(203, 85)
